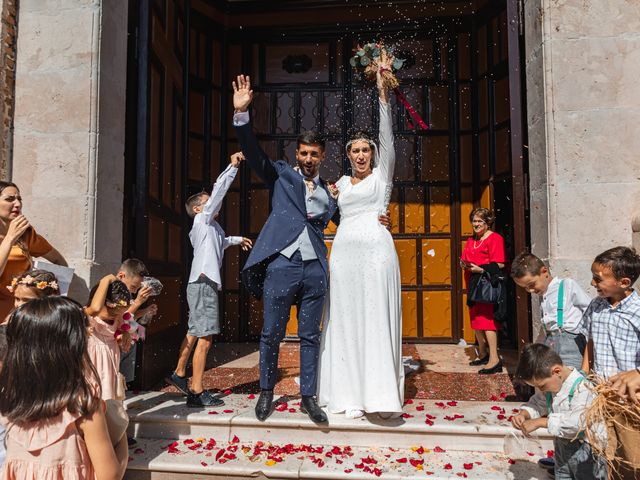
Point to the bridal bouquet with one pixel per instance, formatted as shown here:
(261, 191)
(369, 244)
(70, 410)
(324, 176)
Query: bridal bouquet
(373, 57)
(368, 59)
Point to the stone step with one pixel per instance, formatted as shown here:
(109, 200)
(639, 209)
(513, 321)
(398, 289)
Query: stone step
(154, 459)
(451, 425)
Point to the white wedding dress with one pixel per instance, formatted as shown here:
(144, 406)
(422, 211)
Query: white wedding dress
(360, 364)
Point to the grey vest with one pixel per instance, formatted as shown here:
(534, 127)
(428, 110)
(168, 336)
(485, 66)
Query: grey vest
(317, 204)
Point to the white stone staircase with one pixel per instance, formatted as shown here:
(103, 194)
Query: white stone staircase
(437, 440)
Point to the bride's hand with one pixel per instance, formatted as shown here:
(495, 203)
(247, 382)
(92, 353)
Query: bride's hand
(386, 64)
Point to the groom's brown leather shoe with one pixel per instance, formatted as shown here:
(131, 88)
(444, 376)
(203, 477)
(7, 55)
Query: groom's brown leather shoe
(263, 407)
(311, 408)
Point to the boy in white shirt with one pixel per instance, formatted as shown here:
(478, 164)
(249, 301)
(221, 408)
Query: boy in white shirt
(563, 304)
(559, 404)
(209, 242)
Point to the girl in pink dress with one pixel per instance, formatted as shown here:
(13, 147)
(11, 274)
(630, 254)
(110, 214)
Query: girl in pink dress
(108, 302)
(483, 248)
(49, 402)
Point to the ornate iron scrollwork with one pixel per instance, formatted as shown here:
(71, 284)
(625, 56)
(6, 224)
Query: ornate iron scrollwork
(296, 63)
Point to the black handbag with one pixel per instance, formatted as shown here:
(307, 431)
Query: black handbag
(485, 291)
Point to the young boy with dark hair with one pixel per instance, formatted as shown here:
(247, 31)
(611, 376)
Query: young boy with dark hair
(559, 406)
(209, 242)
(612, 326)
(562, 302)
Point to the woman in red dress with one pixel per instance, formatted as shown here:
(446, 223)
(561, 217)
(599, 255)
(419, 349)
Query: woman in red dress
(484, 247)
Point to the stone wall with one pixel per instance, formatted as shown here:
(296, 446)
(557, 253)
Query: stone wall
(582, 65)
(8, 37)
(69, 128)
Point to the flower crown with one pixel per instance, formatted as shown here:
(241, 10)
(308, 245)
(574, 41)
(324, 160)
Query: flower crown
(360, 139)
(119, 303)
(29, 281)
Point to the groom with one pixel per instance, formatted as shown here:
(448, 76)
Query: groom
(288, 264)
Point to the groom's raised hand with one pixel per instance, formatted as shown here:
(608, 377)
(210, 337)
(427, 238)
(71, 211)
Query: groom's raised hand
(242, 93)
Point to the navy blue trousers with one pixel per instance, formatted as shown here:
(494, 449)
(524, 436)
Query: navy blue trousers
(292, 282)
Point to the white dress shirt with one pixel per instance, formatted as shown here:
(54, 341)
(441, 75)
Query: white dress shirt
(566, 418)
(207, 236)
(575, 304)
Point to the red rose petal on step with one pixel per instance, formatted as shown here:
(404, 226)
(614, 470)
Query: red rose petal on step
(204, 464)
(281, 407)
(336, 450)
(420, 408)
(439, 450)
(448, 466)
(420, 451)
(408, 402)
(496, 408)
(416, 461)
(230, 456)
(377, 472)
(429, 473)
(429, 422)
(213, 412)
(292, 410)
(235, 439)
(220, 454)
(228, 391)
(501, 416)
(188, 441)
(406, 415)
(503, 395)
(511, 461)
(461, 474)
(430, 417)
(440, 404)
(401, 460)
(550, 453)
(251, 396)
(227, 411)
(494, 398)
(467, 466)
(452, 403)
(348, 470)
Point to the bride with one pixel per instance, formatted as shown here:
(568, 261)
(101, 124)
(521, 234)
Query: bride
(361, 351)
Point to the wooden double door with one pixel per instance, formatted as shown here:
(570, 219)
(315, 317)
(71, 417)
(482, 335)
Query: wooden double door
(460, 78)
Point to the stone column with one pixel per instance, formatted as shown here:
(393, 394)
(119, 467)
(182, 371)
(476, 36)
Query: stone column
(68, 157)
(582, 64)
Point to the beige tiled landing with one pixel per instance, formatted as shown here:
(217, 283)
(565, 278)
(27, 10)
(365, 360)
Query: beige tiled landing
(152, 460)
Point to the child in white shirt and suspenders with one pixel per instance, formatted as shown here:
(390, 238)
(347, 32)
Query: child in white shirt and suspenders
(563, 303)
(559, 405)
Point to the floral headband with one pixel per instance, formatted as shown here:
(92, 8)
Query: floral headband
(29, 281)
(361, 139)
(119, 303)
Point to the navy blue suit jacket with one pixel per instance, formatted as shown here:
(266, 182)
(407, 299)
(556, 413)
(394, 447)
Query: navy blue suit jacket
(288, 212)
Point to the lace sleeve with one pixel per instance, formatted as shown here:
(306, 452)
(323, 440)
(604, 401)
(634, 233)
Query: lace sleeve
(387, 154)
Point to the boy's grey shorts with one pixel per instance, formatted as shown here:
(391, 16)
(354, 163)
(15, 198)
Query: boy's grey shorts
(570, 347)
(202, 297)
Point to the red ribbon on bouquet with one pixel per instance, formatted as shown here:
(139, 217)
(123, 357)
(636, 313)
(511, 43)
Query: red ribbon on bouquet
(412, 114)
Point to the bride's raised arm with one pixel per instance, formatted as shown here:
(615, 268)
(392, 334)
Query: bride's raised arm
(387, 153)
